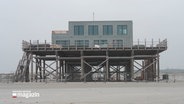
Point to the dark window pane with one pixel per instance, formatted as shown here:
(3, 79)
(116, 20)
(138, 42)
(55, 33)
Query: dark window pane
(93, 30)
(78, 30)
(63, 43)
(100, 42)
(117, 43)
(107, 29)
(82, 43)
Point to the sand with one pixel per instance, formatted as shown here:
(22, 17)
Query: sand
(95, 93)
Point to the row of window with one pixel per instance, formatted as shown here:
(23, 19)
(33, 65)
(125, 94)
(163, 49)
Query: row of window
(82, 43)
(85, 43)
(94, 30)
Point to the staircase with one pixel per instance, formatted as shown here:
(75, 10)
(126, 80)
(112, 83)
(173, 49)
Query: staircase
(22, 72)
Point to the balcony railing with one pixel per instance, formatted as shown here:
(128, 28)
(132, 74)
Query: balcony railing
(36, 45)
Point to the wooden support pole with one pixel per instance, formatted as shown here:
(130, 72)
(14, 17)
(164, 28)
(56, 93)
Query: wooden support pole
(82, 66)
(40, 69)
(37, 45)
(44, 75)
(60, 66)
(107, 66)
(36, 73)
(63, 69)
(45, 45)
(72, 71)
(132, 66)
(57, 66)
(117, 72)
(158, 67)
(154, 69)
(32, 70)
(30, 45)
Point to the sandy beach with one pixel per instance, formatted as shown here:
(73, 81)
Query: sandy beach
(95, 93)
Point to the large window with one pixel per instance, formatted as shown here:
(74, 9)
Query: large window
(78, 30)
(107, 30)
(102, 43)
(117, 43)
(63, 43)
(92, 30)
(82, 43)
(122, 30)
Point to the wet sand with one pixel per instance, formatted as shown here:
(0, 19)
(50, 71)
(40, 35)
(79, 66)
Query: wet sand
(95, 93)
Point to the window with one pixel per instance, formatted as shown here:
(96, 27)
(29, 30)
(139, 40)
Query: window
(100, 42)
(82, 43)
(86, 43)
(92, 30)
(78, 30)
(117, 43)
(96, 42)
(103, 42)
(63, 43)
(122, 30)
(107, 29)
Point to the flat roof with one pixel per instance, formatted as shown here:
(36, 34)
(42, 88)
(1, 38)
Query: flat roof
(105, 21)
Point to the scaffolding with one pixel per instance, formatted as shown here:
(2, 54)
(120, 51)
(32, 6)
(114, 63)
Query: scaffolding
(42, 62)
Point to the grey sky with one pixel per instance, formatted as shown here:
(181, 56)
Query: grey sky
(35, 19)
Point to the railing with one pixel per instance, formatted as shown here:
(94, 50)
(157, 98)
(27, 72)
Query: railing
(151, 43)
(36, 45)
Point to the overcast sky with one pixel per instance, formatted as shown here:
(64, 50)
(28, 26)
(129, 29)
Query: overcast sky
(35, 19)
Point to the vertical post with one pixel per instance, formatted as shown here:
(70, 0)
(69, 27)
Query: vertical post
(27, 67)
(63, 69)
(66, 70)
(138, 43)
(37, 44)
(60, 63)
(159, 44)
(40, 69)
(32, 70)
(118, 71)
(45, 45)
(30, 45)
(82, 65)
(44, 76)
(36, 75)
(72, 72)
(145, 70)
(158, 67)
(125, 74)
(145, 43)
(151, 69)
(154, 68)
(132, 65)
(107, 66)
(56, 66)
(144, 75)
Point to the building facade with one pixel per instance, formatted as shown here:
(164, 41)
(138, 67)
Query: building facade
(95, 34)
